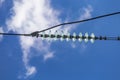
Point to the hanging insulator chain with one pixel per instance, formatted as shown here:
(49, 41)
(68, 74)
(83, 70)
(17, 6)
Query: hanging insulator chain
(61, 36)
(68, 36)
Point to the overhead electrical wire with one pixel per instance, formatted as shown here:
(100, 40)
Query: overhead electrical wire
(75, 22)
(36, 33)
(9, 34)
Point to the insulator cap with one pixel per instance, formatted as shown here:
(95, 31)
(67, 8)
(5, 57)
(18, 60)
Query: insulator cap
(86, 37)
(74, 37)
(68, 37)
(62, 36)
(92, 38)
(80, 37)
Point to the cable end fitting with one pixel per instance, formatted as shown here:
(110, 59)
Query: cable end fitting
(118, 38)
(35, 34)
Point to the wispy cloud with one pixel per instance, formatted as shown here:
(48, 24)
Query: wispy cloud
(33, 15)
(1, 2)
(86, 12)
(29, 16)
(48, 55)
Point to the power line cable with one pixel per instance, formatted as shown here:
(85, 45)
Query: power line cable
(13, 34)
(75, 22)
(36, 33)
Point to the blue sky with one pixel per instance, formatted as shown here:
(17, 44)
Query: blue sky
(26, 58)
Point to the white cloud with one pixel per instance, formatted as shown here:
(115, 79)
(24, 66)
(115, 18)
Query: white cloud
(29, 16)
(33, 15)
(48, 56)
(73, 45)
(31, 70)
(1, 2)
(1, 31)
(86, 12)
